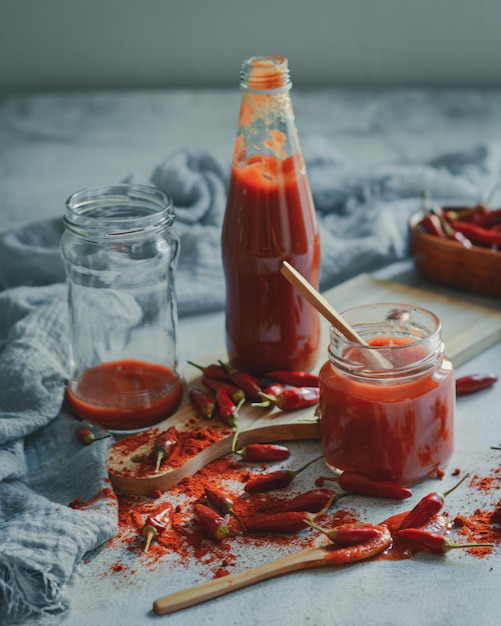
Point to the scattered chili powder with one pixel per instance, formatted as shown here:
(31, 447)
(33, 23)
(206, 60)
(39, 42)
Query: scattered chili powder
(482, 525)
(117, 567)
(105, 493)
(187, 541)
(487, 483)
(479, 527)
(139, 449)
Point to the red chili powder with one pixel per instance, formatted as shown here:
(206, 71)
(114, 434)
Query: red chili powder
(487, 483)
(103, 494)
(186, 539)
(483, 526)
(139, 448)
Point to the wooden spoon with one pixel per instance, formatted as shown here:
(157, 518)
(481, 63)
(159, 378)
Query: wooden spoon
(303, 559)
(328, 311)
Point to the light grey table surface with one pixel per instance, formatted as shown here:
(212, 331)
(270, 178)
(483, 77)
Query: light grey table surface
(53, 144)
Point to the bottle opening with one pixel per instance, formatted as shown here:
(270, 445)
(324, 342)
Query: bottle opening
(265, 74)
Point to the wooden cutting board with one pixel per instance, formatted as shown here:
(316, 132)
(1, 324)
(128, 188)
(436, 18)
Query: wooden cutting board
(467, 330)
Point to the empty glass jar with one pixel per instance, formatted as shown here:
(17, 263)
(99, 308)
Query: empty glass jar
(120, 251)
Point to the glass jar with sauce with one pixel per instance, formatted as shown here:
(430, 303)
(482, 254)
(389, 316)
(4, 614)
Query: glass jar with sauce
(269, 218)
(120, 251)
(387, 408)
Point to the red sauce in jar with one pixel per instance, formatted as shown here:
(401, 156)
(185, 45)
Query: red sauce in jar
(126, 395)
(399, 429)
(270, 218)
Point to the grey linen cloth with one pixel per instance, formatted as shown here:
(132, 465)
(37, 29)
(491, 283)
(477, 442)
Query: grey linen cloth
(363, 214)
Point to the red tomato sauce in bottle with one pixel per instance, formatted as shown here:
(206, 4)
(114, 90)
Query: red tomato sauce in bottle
(126, 395)
(268, 324)
(394, 424)
(269, 218)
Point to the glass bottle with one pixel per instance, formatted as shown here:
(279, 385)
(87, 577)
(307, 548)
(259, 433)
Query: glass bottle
(120, 251)
(387, 409)
(270, 218)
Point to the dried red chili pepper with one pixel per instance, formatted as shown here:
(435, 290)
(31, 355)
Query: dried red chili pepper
(478, 235)
(202, 403)
(361, 551)
(356, 482)
(293, 378)
(212, 523)
(86, 436)
(274, 389)
(285, 522)
(275, 480)
(157, 524)
(468, 214)
(312, 501)
(349, 534)
(456, 213)
(432, 225)
(452, 234)
(214, 370)
(227, 410)
(427, 507)
(247, 383)
(291, 399)
(222, 503)
(236, 394)
(480, 215)
(164, 446)
(489, 218)
(264, 452)
(363, 485)
(435, 542)
(474, 382)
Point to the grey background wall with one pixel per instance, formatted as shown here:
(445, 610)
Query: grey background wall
(108, 44)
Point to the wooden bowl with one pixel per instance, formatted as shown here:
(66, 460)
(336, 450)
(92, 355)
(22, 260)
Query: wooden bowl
(447, 262)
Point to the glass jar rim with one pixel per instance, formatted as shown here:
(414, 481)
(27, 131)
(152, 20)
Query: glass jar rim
(118, 210)
(400, 320)
(396, 312)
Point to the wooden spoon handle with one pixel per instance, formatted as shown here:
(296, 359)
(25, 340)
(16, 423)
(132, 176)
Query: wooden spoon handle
(320, 303)
(309, 557)
(330, 314)
(303, 559)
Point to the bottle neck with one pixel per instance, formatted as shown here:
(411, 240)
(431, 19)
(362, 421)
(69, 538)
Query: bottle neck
(266, 124)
